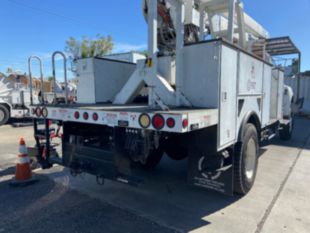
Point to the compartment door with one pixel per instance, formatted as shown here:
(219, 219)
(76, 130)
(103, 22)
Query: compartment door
(86, 83)
(266, 95)
(277, 86)
(280, 94)
(228, 98)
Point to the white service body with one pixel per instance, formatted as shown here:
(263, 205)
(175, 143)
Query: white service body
(212, 101)
(99, 79)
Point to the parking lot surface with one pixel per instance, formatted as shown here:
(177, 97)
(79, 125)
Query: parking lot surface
(279, 201)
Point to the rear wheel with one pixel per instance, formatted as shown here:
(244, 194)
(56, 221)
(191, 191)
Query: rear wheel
(287, 130)
(246, 161)
(177, 153)
(153, 159)
(174, 150)
(4, 115)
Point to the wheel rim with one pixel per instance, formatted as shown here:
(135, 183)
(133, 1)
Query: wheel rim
(1, 115)
(250, 159)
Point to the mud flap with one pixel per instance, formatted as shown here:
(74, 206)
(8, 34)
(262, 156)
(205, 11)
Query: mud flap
(121, 159)
(212, 172)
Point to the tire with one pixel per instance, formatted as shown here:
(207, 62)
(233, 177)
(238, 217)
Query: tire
(4, 115)
(286, 132)
(246, 161)
(175, 151)
(153, 159)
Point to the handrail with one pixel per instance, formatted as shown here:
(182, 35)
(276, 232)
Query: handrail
(41, 77)
(65, 72)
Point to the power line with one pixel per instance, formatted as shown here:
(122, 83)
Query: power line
(13, 60)
(40, 10)
(4, 61)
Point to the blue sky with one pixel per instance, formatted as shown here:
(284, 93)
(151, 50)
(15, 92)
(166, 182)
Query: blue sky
(42, 26)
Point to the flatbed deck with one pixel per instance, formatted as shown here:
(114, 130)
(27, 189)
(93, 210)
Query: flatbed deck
(186, 119)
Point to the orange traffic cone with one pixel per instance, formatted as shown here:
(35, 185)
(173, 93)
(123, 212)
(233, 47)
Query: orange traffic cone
(23, 173)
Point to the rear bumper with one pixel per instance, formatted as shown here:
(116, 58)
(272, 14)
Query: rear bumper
(116, 116)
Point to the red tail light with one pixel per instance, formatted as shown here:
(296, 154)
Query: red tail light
(95, 117)
(170, 122)
(76, 115)
(158, 122)
(38, 112)
(44, 112)
(85, 116)
(185, 123)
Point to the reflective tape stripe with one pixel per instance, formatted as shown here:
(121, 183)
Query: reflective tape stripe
(24, 160)
(23, 149)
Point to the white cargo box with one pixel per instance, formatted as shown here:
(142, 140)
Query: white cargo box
(221, 76)
(132, 57)
(100, 79)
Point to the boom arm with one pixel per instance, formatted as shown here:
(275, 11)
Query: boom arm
(216, 21)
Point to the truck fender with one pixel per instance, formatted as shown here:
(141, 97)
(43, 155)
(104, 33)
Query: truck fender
(8, 106)
(250, 117)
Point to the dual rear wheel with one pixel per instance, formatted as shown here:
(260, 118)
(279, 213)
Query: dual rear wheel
(286, 131)
(172, 148)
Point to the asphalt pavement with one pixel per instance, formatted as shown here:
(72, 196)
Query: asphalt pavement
(279, 201)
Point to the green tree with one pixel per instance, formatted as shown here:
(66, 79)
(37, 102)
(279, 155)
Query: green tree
(87, 47)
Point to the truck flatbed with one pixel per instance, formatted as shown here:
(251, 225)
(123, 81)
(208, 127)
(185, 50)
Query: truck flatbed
(186, 119)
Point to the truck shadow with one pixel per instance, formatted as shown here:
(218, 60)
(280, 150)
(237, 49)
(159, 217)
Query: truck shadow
(80, 205)
(50, 207)
(301, 134)
(164, 198)
(167, 198)
(24, 122)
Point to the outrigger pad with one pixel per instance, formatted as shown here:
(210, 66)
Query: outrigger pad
(211, 172)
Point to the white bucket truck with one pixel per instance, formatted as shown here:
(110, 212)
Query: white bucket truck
(14, 99)
(213, 95)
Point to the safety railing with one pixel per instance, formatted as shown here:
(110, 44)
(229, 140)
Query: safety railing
(41, 78)
(65, 73)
